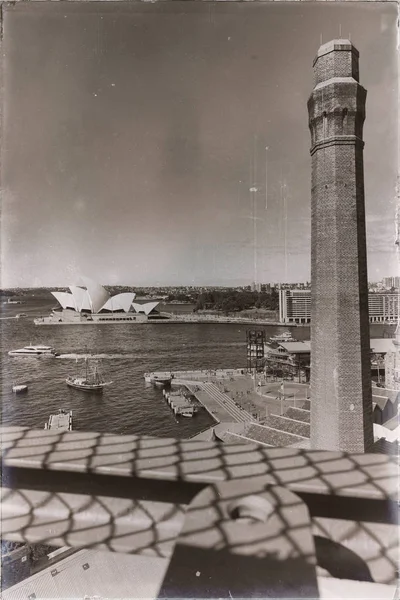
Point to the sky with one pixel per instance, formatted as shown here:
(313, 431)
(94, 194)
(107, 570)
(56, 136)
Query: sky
(134, 133)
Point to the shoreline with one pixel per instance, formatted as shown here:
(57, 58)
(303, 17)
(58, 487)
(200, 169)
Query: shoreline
(241, 321)
(183, 321)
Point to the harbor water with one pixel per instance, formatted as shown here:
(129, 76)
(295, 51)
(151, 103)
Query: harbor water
(124, 353)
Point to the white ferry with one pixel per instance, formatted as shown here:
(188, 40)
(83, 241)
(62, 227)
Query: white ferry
(286, 336)
(38, 350)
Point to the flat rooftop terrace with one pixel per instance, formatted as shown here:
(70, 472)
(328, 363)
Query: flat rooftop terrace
(220, 520)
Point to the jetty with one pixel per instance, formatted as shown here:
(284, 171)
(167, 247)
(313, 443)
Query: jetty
(179, 404)
(221, 407)
(62, 421)
(207, 386)
(236, 396)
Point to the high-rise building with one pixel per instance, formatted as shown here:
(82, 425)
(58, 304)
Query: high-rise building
(295, 307)
(341, 401)
(391, 282)
(383, 308)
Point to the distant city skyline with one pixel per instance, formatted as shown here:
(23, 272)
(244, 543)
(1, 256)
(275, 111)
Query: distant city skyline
(383, 284)
(134, 134)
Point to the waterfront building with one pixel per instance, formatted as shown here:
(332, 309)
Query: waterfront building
(341, 398)
(90, 297)
(383, 308)
(378, 346)
(295, 307)
(90, 302)
(392, 363)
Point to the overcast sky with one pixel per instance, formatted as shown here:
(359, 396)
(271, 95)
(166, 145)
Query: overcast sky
(133, 133)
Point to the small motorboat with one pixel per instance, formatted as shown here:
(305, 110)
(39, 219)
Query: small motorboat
(161, 381)
(37, 350)
(187, 413)
(90, 381)
(19, 389)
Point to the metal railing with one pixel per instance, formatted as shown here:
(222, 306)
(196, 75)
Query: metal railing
(305, 511)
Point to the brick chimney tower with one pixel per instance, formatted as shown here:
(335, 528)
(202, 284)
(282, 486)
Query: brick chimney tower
(341, 398)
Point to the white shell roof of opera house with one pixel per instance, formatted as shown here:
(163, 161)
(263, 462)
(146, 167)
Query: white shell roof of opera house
(90, 296)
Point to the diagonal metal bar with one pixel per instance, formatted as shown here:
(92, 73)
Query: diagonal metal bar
(362, 475)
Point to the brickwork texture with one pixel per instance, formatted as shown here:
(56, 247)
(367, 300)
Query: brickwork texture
(341, 401)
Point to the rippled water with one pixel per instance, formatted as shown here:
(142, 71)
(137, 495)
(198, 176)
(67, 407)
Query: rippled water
(125, 353)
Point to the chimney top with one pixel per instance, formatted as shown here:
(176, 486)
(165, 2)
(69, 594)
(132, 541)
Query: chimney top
(337, 58)
(336, 45)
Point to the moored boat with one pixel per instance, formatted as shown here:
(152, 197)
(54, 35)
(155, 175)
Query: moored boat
(187, 413)
(90, 381)
(159, 379)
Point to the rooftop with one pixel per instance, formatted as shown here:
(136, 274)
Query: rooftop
(378, 345)
(179, 507)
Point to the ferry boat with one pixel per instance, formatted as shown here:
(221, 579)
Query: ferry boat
(38, 350)
(286, 336)
(91, 381)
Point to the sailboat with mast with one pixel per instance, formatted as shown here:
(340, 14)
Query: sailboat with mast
(90, 381)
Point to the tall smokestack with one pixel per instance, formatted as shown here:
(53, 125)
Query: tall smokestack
(341, 400)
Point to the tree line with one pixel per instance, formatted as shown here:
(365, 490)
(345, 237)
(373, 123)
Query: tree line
(235, 301)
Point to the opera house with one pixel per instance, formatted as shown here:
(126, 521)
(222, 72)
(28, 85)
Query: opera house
(90, 303)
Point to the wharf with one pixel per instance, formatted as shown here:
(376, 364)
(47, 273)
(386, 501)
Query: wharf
(234, 396)
(205, 386)
(60, 422)
(179, 404)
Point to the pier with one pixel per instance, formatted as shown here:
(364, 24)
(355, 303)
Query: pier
(179, 404)
(233, 395)
(62, 421)
(218, 404)
(208, 387)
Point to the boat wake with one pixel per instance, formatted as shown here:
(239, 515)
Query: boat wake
(94, 356)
